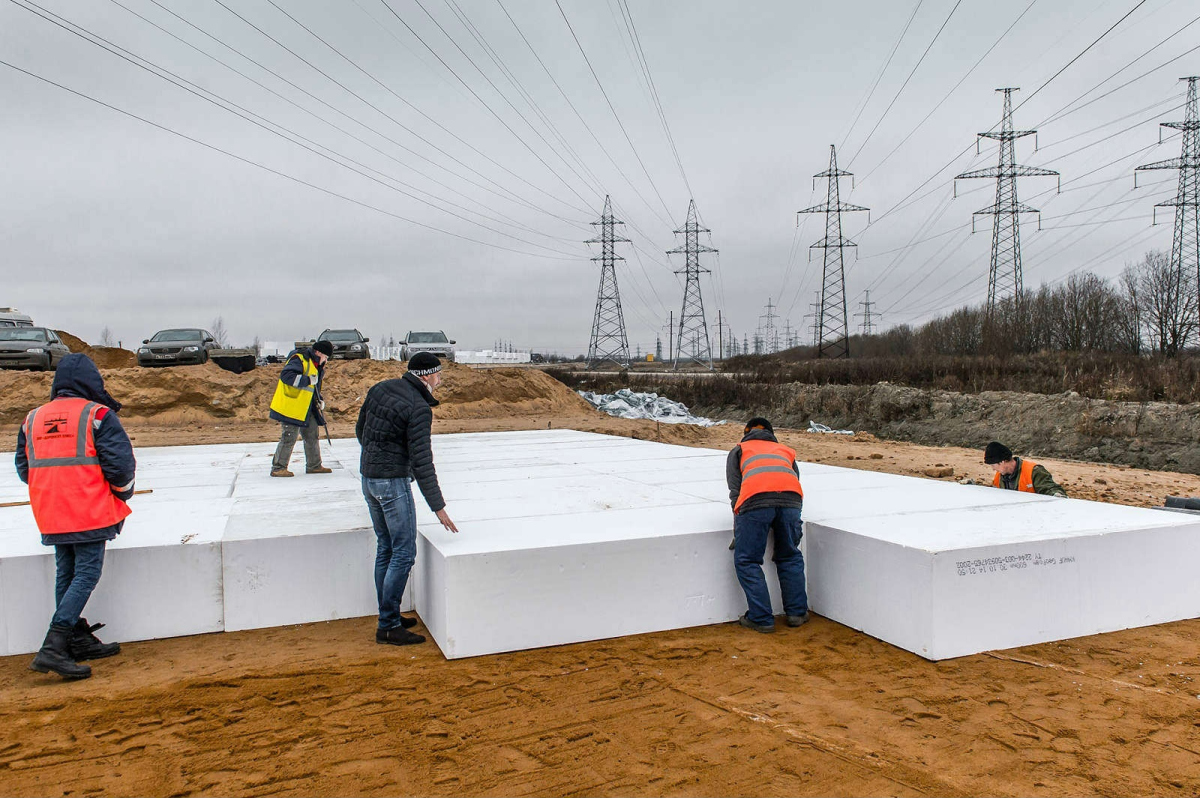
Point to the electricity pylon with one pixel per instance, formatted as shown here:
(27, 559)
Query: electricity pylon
(868, 315)
(608, 325)
(1004, 275)
(770, 335)
(1185, 246)
(832, 324)
(693, 328)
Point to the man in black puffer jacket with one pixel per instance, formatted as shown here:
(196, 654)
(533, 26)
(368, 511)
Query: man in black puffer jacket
(394, 427)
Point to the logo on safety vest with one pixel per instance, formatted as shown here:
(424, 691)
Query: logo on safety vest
(55, 425)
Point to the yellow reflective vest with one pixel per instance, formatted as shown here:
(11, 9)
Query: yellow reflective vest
(292, 402)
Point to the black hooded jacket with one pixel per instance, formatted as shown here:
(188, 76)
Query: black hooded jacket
(77, 376)
(733, 477)
(394, 428)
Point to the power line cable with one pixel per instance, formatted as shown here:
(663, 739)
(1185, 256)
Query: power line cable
(862, 106)
(616, 116)
(900, 91)
(266, 168)
(510, 104)
(344, 131)
(247, 115)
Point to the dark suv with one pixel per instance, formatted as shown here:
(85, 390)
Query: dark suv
(182, 347)
(347, 344)
(31, 348)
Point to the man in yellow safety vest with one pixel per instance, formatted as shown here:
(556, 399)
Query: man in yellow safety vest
(297, 406)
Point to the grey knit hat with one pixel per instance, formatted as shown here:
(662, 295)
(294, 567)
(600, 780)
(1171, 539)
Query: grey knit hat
(423, 364)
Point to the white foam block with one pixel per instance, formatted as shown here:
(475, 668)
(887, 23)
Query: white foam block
(570, 536)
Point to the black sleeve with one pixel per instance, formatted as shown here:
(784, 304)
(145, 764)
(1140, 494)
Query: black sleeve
(293, 373)
(115, 451)
(362, 416)
(733, 474)
(420, 456)
(22, 460)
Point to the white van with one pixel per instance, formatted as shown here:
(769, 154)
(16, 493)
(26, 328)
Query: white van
(11, 317)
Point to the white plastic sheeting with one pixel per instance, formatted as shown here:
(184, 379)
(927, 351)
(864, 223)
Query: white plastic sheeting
(632, 404)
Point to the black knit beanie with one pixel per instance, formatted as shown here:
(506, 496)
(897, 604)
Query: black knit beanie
(759, 421)
(996, 452)
(324, 348)
(422, 364)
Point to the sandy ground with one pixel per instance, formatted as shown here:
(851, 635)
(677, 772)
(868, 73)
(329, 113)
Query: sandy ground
(720, 710)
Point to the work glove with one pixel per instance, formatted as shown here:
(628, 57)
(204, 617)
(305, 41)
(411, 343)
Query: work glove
(321, 405)
(314, 379)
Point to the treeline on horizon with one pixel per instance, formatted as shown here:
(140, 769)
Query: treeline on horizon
(1129, 339)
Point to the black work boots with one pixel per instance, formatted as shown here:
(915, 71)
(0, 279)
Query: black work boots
(85, 645)
(398, 636)
(55, 655)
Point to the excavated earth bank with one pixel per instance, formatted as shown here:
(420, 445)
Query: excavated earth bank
(1152, 435)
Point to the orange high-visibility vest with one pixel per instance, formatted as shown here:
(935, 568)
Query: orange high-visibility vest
(67, 489)
(767, 468)
(1024, 481)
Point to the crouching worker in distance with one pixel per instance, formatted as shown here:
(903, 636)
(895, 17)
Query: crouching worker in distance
(1017, 473)
(79, 465)
(394, 428)
(764, 489)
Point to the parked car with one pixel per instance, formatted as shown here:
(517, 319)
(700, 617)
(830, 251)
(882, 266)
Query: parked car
(182, 347)
(434, 341)
(11, 317)
(31, 348)
(347, 344)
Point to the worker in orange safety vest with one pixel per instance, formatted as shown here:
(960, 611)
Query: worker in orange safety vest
(1018, 473)
(765, 492)
(79, 465)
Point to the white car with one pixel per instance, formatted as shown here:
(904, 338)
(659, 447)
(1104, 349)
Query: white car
(434, 341)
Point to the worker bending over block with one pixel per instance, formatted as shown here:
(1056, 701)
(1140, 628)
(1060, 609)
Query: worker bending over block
(1017, 473)
(764, 489)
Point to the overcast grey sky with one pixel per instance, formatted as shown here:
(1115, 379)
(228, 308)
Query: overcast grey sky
(466, 191)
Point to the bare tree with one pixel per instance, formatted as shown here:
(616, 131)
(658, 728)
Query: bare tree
(106, 337)
(1131, 323)
(1168, 301)
(219, 333)
(257, 346)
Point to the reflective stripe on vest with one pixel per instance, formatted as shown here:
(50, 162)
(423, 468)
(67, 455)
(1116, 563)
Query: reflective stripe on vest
(1024, 481)
(767, 468)
(68, 491)
(292, 402)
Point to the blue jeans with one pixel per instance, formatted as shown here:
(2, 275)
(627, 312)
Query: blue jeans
(77, 573)
(751, 528)
(394, 517)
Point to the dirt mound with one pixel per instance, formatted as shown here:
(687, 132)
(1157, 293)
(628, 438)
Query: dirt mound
(73, 343)
(190, 394)
(106, 357)
(110, 357)
(1153, 435)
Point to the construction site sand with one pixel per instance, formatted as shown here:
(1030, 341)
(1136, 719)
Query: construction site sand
(721, 710)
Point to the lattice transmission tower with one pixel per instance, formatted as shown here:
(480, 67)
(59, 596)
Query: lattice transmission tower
(1185, 246)
(609, 341)
(868, 316)
(693, 328)
(770, 334)
(1004, 274)
(832, 339)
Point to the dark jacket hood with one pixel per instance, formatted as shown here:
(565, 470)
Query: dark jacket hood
(760, 435)
(78, 376)
(422, 387)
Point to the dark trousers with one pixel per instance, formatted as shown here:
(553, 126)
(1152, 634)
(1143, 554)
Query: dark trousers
(287, 440)
(78, 568)
(751, 529)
